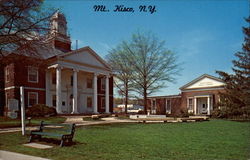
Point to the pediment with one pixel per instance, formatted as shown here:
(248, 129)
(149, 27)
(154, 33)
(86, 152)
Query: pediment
(205, 81)
(85, 56)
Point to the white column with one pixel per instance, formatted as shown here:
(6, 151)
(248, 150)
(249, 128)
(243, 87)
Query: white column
(58, 90)
(22, 110)
(74, 110)
(208, 105)
(95, 93)
(48, 94)
(107, 95)
(195, 105)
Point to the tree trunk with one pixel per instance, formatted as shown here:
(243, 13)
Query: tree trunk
(126, 98)
(145, 96)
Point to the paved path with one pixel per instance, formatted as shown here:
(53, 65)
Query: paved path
(78, 120)
(109, 120)
(6, 155)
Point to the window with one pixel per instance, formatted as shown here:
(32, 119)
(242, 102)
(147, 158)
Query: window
(154, 105)
(54, 78)
(32, 98)
(103, 103)
(32, 74)
(103, 83)
(190, 104)
(89, 102)
(89, 83)
(168, 105)
(7, 74)
(54, 100)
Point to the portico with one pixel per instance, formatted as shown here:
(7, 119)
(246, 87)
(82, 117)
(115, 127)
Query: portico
(76, 88)
(203, 104)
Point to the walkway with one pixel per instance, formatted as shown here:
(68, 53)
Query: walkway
(6, 155)
(78, 120)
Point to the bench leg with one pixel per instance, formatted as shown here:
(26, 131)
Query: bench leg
(62, 143)
(31, 138)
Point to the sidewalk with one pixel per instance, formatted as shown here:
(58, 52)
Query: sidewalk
(78, 120)
(6, 155)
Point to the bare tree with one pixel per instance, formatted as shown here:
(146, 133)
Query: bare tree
(122, 71)
(152, 65)
(24, 25)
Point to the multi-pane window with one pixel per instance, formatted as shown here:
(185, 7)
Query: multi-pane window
(7, 74)
(89, 83)
(103, 103)
(154, 104)
(32, 98)
(32, 74)
(103, 83)
(190, 104)
(89, 102)
(168, 105)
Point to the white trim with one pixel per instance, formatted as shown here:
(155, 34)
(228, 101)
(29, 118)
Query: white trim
(31, 88)
(37, 72)
(29, 98)
(188, 98)
(204, 89)
(202, 96)
(11, 87)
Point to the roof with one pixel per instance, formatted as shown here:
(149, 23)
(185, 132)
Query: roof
(86, 48)
(167, 96)
(200, 78)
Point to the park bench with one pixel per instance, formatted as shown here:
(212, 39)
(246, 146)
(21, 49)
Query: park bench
(64, 132)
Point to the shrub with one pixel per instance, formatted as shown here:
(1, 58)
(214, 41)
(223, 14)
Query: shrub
(140, 112)
(184, 113)
(219, 113)
(40, 110)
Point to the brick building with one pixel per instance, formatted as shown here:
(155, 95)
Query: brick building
(198, 96)
(74, 81)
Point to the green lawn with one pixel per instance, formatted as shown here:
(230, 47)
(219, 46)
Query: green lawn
(8, 122)
(215, 139)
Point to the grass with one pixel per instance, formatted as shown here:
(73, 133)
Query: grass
(215, 139)
(8, 122)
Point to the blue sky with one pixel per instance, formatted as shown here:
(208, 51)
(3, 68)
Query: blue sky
(204, 33)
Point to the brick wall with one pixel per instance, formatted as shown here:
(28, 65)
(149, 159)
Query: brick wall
(2, 93)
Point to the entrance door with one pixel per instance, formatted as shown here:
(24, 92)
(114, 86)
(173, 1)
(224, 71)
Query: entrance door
(202, 105)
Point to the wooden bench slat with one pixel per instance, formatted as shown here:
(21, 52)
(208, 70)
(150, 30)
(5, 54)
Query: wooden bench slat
(48, 134)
